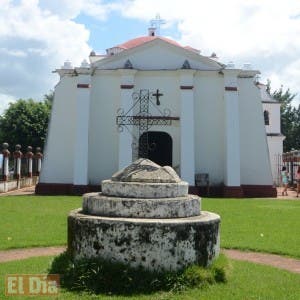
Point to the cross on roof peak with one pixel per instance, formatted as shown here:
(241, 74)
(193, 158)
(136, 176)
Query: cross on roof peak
(156, 22)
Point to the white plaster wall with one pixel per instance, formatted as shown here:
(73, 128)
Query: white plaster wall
(158, 55)
(274, 117)
(105, 101)
(255, 163)
(6, 186)
(125, 104)
(103, 134)
(209, 125)
(59, 150)
(168, 84)
(275, 144)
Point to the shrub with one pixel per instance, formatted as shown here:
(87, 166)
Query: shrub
(100, 276)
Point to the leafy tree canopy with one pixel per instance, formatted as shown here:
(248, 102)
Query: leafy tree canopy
(25, 122)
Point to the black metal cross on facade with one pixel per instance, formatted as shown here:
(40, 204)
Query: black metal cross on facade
(143, 119)
(157, 95)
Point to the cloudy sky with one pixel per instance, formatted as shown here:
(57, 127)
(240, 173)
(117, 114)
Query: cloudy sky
(37, 36)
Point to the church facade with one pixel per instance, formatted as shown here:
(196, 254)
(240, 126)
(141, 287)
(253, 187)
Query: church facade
(151, 97)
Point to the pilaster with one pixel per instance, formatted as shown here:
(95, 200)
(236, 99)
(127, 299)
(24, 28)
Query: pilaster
(187, 136)
(232, 177)
(126, 102)
(82, 130)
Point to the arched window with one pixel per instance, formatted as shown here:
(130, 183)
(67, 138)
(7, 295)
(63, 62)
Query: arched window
(266, 117)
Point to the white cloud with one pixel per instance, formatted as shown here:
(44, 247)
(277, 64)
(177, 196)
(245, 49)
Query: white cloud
(290, 71)
(234, 27)
(69, 9)
(12, 52)
(65, 9)
(37, 36)
(34, 42)
(256, 31)
(4, 101)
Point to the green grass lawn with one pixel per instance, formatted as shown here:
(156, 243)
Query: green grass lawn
(247, 281)
(28, 221)
(259, 224)
(255, 224)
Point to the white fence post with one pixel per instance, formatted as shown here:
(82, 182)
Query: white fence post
(5, 167)
(17, 162)
(29, 156)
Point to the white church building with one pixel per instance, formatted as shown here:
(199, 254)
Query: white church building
(271, 110)
(151, 97)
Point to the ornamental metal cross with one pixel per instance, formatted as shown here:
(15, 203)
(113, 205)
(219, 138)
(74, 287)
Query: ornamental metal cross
(143, 119)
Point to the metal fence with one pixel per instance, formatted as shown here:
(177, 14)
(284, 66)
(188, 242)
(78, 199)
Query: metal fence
(291, 160)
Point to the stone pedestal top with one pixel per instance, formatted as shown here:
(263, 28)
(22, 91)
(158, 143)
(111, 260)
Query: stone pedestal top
(179, 207)
(144, 190)
(145, 170)
(145, 179)
(205, 217)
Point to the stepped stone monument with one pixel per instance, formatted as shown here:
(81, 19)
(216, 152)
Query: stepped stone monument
(145, 217)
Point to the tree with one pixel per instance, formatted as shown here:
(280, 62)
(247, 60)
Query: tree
(296, 131)
(49, 97)
(25, 122)
(290, 119)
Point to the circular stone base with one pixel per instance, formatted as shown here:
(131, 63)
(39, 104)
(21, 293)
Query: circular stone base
(144, 189)
(164, 244)
(106, 206)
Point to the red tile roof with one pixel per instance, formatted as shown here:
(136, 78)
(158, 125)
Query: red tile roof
(144, 39)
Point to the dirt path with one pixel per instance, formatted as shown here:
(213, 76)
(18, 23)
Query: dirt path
(24, 191)
(290, 264)
(281, 262)
(17, 254)
(30, 191)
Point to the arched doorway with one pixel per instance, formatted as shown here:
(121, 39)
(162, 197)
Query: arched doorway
(160, 147)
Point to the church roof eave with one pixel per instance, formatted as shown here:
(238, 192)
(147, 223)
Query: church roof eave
(143, 40)
(187, 53)
(248, 73)
(265, 95)
(279, 135)
(271, 102)
(96, 58)
(73, 72)
(63, 72)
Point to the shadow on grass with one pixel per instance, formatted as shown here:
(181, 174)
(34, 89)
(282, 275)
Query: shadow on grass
(103, 277)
